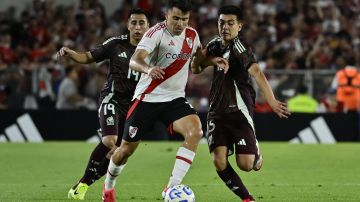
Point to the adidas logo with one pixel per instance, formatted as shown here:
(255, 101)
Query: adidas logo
(171, 43)
(122, 55)
(318, 132)
(23, 130)
(241, 142)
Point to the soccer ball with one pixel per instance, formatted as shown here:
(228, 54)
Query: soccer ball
(179, 193)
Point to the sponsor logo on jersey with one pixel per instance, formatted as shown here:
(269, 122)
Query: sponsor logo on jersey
(132, 131)
(171, 43)
(110, 121)
(122, 55)
(182, 56)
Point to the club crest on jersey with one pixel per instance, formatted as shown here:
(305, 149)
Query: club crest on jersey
(189, 42)
(110, 121)
(132, 131)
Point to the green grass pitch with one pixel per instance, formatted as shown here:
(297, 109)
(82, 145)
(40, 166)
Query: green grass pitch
(45, 172)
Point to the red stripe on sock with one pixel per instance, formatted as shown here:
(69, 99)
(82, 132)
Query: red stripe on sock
(184, 159)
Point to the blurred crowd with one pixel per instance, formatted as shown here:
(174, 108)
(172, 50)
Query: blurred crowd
(285, 35)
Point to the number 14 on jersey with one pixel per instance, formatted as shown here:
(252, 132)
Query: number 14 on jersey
(133, 74)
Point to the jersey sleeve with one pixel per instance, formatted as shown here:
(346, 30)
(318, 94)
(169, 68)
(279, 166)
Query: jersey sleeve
(249, 58)
(244, 52)
(151, 39)
(101, 52)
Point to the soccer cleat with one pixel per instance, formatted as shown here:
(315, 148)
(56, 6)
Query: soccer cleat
(108, 195)
(78, 191)
(163, 193)
(250, 199)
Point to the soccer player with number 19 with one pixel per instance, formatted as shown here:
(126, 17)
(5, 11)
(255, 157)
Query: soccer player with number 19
(115, 98)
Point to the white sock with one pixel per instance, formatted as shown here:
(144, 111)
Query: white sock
(112, 173)
(184, 159)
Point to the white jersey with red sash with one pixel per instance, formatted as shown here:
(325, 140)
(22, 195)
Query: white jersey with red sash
(172, 54)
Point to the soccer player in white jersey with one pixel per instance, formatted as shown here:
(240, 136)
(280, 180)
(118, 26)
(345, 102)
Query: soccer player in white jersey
(163, 56)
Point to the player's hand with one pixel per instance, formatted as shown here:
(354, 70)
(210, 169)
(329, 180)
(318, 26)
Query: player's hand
(280, 108)
(222, 63)
(155, 73)
(64, 51)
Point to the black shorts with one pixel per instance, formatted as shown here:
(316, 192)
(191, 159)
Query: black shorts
(143, 115)
(112, 116)
(231, 129)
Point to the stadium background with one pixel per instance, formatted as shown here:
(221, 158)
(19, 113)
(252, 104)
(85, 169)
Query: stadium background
(296, 42)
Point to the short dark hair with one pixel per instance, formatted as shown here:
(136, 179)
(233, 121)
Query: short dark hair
(183, 5)
(231, 10)
(138, 11)
(69, 69)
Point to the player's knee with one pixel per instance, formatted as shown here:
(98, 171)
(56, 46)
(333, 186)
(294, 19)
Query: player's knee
(220, 163)
(109, 141)
(196, 133)
(193, 135)
(126, 152)
(246, 165)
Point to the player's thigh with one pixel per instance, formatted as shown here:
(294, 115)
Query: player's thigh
(217, 135)
(110, 117)
(182, 116)
(140, 119)
(242, 133)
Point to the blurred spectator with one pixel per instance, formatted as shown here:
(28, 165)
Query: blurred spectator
(46, 95)
(330, 104)
(347, 85)
(302, 102)
(68, 95)
(4, 92)
(287, 35)
(261, 105)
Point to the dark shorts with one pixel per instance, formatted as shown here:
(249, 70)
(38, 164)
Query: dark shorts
(112, 116)
(231, 129)
(143, 115)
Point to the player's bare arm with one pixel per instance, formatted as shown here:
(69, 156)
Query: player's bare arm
(79, 57)
(201, 61)
(137, 63)
(278, 107)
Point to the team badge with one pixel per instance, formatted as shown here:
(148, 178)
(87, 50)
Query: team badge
(110, 121)
(189, 42)
(132, 131)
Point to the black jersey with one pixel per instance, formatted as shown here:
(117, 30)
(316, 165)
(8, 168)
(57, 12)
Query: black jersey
(121, 80)
(232, 91)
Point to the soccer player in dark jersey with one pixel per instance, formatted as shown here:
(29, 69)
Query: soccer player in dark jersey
(115, 97)
(232, 100)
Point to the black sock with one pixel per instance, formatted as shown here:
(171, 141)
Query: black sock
(233, 182)
(103, 167)
(95, 162)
